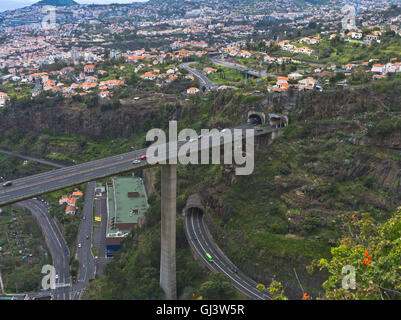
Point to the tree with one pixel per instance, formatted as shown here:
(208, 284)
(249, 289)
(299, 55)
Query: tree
(374, 253)
(219, 287)
(261, 287)
(277, 291)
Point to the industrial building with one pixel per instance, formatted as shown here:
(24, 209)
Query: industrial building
(127, 204)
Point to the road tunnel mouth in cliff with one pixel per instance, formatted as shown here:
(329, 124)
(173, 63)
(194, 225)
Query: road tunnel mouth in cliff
(194, 206)
(194, 211)
(255, 119)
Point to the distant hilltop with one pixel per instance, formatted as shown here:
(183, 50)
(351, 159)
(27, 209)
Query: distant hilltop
(56, 3)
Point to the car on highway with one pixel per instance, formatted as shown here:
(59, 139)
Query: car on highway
(144, 157)
(83, 218)
(79, 245)
(7, 184)
(87, 237)
(136, 161)
(208, 257)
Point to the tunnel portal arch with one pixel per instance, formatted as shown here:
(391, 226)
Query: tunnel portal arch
(256, 117)
(194, 204)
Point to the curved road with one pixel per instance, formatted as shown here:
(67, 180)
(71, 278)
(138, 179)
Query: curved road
(201, 242)
(239, 67)
(28, 187)
(42, 161)
(57, 246)
(31, 186)
(203, 79)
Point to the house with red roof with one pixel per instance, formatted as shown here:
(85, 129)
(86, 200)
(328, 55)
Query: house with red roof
(192, 90)
(89, 69)
(3, 99)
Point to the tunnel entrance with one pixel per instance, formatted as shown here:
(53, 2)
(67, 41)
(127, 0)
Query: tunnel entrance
(194, 210)
(194, 205)
(256, 118)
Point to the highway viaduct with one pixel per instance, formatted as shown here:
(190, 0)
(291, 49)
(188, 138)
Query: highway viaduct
(270, 127)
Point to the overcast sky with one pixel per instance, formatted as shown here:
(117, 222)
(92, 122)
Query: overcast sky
(15, 4)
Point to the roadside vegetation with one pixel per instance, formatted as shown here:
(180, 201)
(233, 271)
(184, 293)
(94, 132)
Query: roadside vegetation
(23, 251)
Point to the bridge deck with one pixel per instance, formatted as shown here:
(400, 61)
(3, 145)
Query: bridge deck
(31, 186)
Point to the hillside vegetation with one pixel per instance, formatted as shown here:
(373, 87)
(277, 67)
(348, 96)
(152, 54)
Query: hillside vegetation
(339, 155)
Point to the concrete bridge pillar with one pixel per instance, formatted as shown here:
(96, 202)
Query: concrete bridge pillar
(168, 231)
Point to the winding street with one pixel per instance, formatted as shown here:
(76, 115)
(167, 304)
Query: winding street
(57, 246)
(204, 81)
(238, 67)
(200, 241)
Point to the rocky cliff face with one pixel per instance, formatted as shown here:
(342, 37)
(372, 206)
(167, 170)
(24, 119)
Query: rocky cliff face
(71, 119)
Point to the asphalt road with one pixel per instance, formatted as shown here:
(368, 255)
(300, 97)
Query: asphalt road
(28, 187)
(57, 246)
(201, 243)
(86, 270)
(42, 161)
(238, 67)
(204, 81)
(31, 186)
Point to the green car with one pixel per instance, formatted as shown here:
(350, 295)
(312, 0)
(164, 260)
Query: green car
(208, 257)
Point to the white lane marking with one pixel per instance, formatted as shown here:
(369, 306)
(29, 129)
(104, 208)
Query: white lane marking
(217, 266)
(222, 263)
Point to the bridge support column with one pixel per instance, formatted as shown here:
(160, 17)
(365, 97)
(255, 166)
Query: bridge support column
(168, 231)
